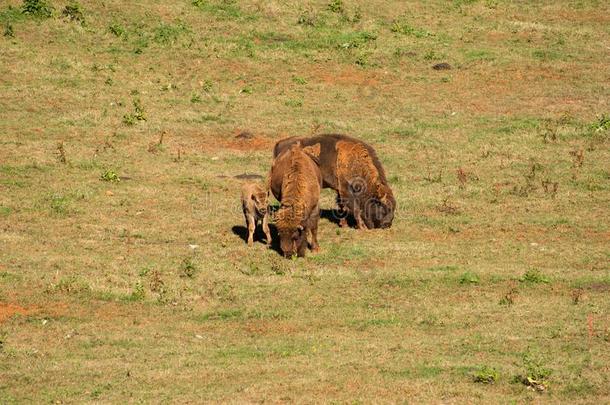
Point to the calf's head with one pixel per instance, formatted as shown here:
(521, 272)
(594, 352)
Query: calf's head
(259, 198)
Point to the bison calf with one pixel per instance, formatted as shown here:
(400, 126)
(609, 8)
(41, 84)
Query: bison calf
(254, 204)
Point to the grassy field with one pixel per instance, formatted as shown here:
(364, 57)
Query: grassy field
(124, 275)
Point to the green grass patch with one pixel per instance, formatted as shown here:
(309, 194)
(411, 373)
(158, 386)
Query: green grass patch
(534, 276)
(469, 278)
(222, 315)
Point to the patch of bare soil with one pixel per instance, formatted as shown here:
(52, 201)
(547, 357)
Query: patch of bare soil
(346, 75)
(8, 310)
(244, 140)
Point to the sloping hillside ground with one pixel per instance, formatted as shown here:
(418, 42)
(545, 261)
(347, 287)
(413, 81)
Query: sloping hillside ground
(124, 275)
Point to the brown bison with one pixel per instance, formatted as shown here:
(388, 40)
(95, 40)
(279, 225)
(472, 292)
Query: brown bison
(350, 167)
(254, 205)
(295, 180)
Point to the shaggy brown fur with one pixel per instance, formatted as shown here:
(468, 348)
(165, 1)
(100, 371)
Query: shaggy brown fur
(351, 167)
(295, 180)
(360, 184)
(254, 205)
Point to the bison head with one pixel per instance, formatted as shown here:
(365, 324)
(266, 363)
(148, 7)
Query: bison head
(380, 210)
(293, 238)
(293, 241)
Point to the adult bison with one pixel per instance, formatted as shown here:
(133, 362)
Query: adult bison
(295, 180)
(350, 167)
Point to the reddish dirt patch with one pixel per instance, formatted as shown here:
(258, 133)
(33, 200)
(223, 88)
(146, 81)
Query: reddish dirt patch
(8, 310)
(246, 141)
(347, 76)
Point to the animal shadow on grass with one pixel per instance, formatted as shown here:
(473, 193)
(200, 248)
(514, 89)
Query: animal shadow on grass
(259, 236)
(335, 217)
(331, 215)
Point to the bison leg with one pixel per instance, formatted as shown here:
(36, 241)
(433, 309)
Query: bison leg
(251, 222)
(315, 247)
(341, 211)
(266, 228)
(358, 216)
(303, 245)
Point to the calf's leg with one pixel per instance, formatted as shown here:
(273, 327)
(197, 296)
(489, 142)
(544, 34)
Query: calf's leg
(266, 228)
(251, 223)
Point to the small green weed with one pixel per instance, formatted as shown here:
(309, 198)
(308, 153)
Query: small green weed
(486, 375)
(336, 6)
(11, 15)
(601, 124)
(469, 278)
(545, 54)
(37, 8)
(167, 34)
(207, 85)
(117, 30)
(446, 268)
(138, 293)
(534, 276)
(71, 285)
(9, 32)
(222, 9)
(222, 315)
(60, 204)
(536, 374)
(432, 55)
(356, 39)
(479, 55)
(294, 103)
(404, 28)
(299, 80)
(138, 114)
(110, 176)
(246, 90)
(362, 60)
(188, 268)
